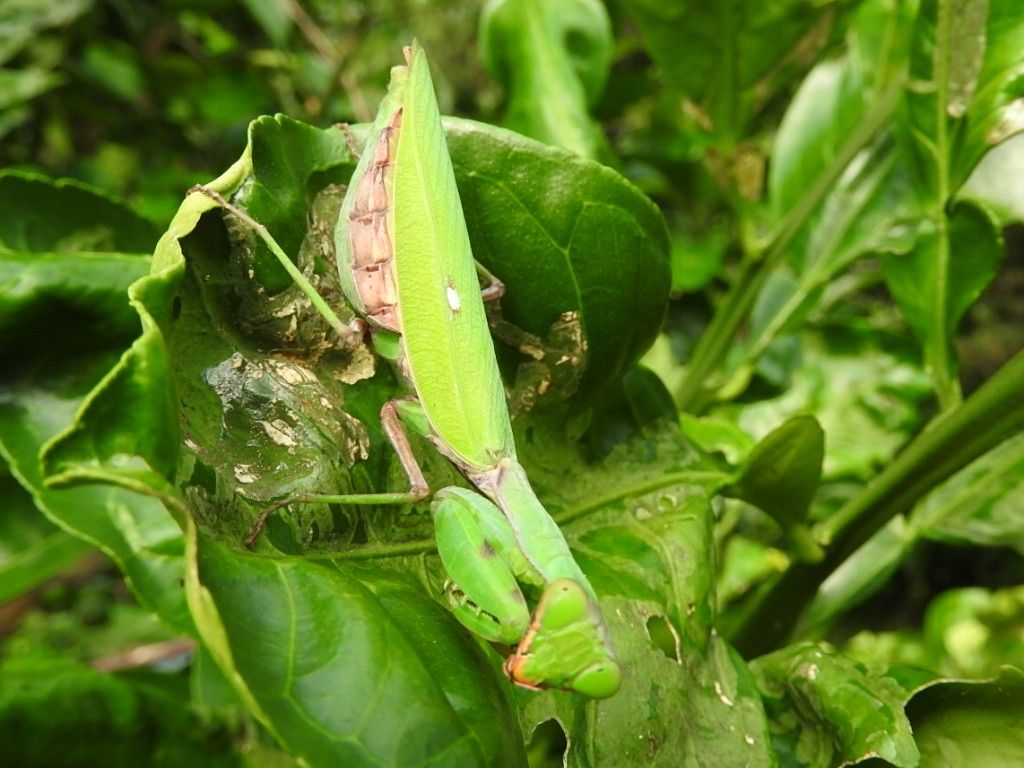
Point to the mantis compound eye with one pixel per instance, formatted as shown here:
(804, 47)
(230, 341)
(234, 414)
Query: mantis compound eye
(598, 682)
(563, 603)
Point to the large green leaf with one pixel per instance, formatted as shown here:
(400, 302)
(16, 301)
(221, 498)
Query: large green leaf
(63, 323)
(553, 59)
(88, 220)
(348, 670)
(564, 234)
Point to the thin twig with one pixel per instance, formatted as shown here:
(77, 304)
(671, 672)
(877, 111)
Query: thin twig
(144, 655)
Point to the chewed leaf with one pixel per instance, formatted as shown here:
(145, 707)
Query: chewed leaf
(832, 710)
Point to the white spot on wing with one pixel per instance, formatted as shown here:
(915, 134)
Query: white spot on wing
(453, 298)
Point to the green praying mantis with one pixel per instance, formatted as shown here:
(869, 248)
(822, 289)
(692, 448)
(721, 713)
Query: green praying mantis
(406, 267)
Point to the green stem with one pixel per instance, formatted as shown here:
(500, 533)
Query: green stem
(946, 385)
(952, 441)
(714, 344)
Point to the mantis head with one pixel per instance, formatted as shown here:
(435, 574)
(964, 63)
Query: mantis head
(566, 645)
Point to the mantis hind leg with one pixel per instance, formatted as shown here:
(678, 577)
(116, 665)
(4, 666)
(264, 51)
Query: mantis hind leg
(493, 288)
(352, 330)
(391, 421)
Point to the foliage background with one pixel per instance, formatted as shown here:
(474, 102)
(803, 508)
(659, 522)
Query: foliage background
(726, 134)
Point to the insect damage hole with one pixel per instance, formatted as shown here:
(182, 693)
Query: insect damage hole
(549, 741)
(663, 636)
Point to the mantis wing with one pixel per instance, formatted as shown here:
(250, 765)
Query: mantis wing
(448, 346)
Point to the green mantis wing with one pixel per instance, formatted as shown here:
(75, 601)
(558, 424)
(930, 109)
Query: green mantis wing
(448, 345)
(416, 273)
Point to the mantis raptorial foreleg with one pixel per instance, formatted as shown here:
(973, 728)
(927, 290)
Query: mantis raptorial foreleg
(481, 557)
(563, 644)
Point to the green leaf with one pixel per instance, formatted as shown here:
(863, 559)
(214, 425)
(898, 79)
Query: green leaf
(294, 632)
(972, 61)
(828, 710)
(64, 321)
(89, 220)
(781, 474)
(831, 103)
(22, 85)
(972, 632)
(273, 18)
(564, 234)
(736, 56)
(721, 435)
(32, 549)
(939, 280)
(960, 723)
(864, 573)
(985, 95)
(116, 721)
(995, 184)
(113, 67)
(982, 504)
(553, 59)
(969, 633)
(21, 21)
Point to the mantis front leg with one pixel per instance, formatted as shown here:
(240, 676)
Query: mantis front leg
(563, 645)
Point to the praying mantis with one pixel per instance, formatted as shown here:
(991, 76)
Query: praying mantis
(407, 268)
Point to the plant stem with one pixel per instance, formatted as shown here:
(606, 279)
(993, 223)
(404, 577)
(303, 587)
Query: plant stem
(947, 387)
(952, 441)
(717, 338)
